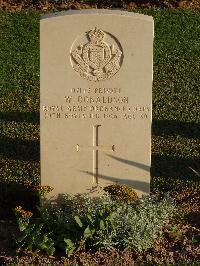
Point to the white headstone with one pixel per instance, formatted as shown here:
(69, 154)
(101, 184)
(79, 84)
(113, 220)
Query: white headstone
(96, 86)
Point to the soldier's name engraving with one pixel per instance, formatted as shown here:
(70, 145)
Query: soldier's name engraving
(102, 99)
(98, 99)
(99, 96)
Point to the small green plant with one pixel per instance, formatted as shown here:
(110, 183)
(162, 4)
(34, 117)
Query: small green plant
(195, 239)
(85, 222)
(72, 223)
(81, 221)
(174, 233)
(121, 193)
(92, 228)
(140, 223)
(32, 235)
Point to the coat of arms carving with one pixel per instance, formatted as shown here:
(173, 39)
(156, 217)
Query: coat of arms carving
(93, 58)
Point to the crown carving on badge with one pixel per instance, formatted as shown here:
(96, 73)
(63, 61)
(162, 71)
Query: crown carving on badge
(96, 35)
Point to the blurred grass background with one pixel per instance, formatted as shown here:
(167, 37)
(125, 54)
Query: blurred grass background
(176, 101)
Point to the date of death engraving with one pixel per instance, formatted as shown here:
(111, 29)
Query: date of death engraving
(96, 112)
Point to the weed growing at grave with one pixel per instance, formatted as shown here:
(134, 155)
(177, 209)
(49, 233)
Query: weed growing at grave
(42, 191)
(121, 193)
(140, 223)
(32, 235)
(80, 222)
(23, 217)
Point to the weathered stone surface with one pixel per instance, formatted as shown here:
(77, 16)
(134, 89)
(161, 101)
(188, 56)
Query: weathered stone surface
(96, 83)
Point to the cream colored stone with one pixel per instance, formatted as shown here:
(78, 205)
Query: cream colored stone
(96, 84)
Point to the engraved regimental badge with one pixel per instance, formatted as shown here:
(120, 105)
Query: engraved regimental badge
(96, 55)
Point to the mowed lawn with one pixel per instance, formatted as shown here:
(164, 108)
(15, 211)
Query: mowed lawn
(176, 104)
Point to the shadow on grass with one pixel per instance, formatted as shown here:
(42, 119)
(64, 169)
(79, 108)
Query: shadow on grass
(13, 194)
(167, 172)
(30, 117)
(167, 127)
(28, 150)
(173, 167)
(173, 173)
(193, 218)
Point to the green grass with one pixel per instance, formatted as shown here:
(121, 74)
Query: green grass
(176, 98)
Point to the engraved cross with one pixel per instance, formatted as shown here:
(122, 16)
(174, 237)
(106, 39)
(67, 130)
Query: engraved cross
(95, 148)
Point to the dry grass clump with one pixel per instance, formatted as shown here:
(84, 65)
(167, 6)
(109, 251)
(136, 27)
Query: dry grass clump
(122, 193)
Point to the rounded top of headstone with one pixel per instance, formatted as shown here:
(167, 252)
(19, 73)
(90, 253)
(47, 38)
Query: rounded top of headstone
(97, 12)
